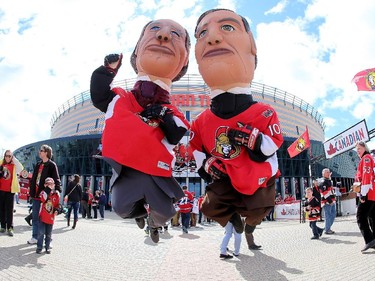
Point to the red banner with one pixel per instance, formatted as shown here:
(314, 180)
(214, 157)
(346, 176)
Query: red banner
(300, 144)
(365, 80)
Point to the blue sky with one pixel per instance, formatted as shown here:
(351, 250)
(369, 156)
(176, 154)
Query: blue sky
(312, 49)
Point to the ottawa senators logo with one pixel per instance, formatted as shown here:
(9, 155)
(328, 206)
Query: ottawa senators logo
(301, 144)
(223, 148)
(370, 80)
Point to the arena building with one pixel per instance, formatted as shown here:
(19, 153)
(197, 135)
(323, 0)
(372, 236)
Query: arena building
(76, 128)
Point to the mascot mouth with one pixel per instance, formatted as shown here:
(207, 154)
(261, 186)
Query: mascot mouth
(160, 49)
(217, 52)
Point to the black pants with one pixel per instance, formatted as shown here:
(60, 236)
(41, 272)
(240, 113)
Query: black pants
(6, 209)
(365, 219)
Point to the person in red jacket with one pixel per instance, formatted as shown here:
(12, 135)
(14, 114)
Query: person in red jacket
(185, 204)
(366, 207)
(142, 126)
(50, 199)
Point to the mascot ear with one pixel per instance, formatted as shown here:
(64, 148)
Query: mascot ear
(253, 45)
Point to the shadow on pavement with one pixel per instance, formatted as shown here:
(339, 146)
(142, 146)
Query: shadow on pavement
(20, 256)
(263, 267)
(358, 234)
(332, 240)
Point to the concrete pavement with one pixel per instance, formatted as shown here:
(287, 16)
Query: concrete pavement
(116, 249)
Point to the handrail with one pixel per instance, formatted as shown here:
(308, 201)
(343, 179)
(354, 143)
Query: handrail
(194, 84)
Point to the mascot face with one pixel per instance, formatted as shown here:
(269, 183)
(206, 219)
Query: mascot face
(224, 50)
(161, 51)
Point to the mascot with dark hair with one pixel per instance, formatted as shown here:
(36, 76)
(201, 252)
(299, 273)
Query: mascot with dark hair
(236, 139)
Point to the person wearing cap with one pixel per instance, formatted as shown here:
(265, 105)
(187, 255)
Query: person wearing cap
(50, 199)
(235, 140)
(328, 200)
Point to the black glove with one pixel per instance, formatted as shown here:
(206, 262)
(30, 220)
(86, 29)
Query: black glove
(244, 135)
(111, 59)
(215, 168)
(155, 111)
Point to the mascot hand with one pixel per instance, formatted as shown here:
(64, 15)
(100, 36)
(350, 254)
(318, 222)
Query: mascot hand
(113, 62)
(243, 135)
(155, 111)
(215, 168)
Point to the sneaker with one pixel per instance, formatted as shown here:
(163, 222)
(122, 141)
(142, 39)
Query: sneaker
(314, 237)
(32, 241)
(254, 247)
(329, 232)
(184, 229)
(28, 220)
(368, 246)
(225, 257)
(236, 255)
(10, 231)
(48, 251)
(140, 222)
(2, 230)
(154, 234)
(38, 251)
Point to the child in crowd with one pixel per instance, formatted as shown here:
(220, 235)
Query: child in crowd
(312, 206)
(50, 199)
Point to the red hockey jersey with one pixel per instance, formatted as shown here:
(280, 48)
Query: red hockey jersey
(137, 142)
(48, 206)
(209, 133)
(365, 175)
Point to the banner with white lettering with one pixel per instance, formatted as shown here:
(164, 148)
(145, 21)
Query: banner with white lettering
(346, 140)
(288, 211)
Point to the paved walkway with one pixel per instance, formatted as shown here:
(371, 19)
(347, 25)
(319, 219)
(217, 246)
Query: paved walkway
(115, 249)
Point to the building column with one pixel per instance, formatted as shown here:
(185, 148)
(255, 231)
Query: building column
(282, 184)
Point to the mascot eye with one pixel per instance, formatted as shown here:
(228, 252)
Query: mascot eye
(155, 28)
(227, 27)
(175, 33)
(202, 33)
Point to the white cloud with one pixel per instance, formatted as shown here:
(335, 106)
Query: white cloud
(279, 8)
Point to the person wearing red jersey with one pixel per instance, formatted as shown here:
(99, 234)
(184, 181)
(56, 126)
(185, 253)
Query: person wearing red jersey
(366, 207)
(185, 205)
(142, 127)
(328, 200)
(50, 199)
(235, 141)
(9, 185)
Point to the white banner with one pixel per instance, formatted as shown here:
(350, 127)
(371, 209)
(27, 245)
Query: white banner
(346, 140)
(288, 211)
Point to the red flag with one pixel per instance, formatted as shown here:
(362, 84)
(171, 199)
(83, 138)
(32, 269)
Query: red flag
(300, 144)
(365, 80)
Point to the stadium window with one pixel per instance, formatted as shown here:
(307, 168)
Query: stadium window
(96, 123)
(77, 128)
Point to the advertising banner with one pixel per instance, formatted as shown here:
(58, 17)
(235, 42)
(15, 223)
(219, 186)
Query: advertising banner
(288, 211)
(346, 140)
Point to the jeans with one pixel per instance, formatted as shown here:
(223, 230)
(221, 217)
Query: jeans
(35, 212)
(75, 207)
(185, 219)
(101, 210)
(44, 230)
(329, 214)
(315, 229)
(229, 230)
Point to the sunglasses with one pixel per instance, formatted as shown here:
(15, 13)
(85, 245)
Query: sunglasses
(42, 150)
(8, 156)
